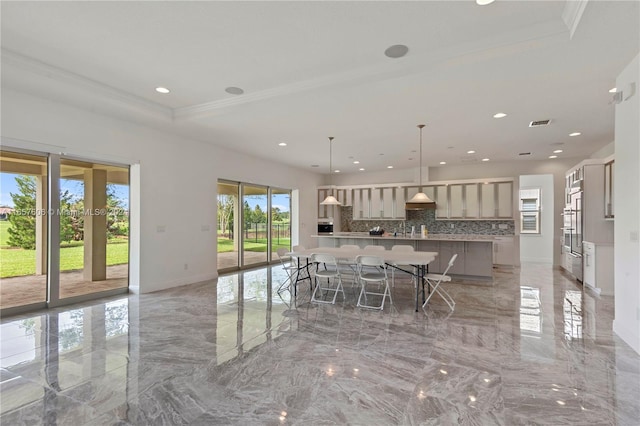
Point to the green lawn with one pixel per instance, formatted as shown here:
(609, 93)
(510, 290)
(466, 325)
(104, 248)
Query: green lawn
(226, 245)
(4, 234)
(19, 262)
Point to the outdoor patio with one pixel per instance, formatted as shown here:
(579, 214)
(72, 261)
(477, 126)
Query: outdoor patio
(19, 291)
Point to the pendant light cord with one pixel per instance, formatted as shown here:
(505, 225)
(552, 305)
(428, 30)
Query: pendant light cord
(420, 126)
(331, 163)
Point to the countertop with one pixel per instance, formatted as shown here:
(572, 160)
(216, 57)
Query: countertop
(430, 237)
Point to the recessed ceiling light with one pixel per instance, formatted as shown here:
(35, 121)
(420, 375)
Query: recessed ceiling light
(557, 151)
(499, 115)
(162, 90)
(471, 152)
(282, 144)
(396, 51)
(234, 90)
(575, 134)
(336, 171)
(614, 90)
(553, 156)
(356, 162)
(361, 169)
(484, 2)
(443, 162)
(485, 159)
(389, 167)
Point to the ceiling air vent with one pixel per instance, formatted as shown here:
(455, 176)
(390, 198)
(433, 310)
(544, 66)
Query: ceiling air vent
(539, 123)
(525, 153)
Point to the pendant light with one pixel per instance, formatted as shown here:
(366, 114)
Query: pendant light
(420, 201)
(330, 200)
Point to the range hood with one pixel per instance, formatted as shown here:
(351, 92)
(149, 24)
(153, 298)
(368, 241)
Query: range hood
(420, 201)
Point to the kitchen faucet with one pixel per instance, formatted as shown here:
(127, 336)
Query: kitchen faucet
(403, 225)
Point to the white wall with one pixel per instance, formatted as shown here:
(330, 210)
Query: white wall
(178, 181)
(605, 151)
(539, 247)
(627, 209)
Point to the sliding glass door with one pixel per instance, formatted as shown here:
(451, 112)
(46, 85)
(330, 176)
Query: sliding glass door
(254, 225)
(280, 220)
(23, 229)
(253, 222)
(64, 230)
(228, 225)
(94, 227)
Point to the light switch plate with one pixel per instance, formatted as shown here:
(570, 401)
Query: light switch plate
(503, 226)
(633, 236)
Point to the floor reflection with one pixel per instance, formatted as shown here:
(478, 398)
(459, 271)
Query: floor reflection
(531, 347)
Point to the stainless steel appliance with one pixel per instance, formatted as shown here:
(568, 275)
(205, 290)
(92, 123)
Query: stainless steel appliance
(576, 232)
(325, 227)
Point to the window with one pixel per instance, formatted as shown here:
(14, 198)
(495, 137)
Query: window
(530, 211)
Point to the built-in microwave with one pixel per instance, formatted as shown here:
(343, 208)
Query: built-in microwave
(325, 228)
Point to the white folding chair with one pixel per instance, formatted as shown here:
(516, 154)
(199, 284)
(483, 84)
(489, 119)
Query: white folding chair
(331, 273)
(291, 269)
(402, 248)
(306, 275)
(434, 280)
(377, 275)
(347, 266)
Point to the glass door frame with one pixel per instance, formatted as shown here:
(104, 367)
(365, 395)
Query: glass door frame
(53, 237)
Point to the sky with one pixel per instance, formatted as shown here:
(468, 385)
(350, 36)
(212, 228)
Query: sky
(8, 185)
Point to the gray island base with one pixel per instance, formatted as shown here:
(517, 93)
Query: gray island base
(475, 252)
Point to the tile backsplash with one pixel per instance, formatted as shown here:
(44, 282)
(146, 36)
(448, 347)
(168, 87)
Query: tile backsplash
(428, 218)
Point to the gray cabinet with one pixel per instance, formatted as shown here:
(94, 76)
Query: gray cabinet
(478, 258)
(448, 249)
(504, 251)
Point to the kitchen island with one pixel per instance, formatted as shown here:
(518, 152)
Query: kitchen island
(475, 252)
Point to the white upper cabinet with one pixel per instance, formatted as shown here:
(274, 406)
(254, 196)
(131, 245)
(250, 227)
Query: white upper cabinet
(361, 203)
(472, 201)
(376, 203)
(388, 203)
(505, 200)
(442, 204)
(400, 200)
(454, 200)
(487, 200)
(496, 200)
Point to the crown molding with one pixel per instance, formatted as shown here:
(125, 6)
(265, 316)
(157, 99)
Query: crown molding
(572, 13)
(49, 71)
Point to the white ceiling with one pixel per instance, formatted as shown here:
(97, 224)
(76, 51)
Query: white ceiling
(316, 69)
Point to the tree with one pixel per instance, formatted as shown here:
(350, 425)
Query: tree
(258, 215)
(117, 219)
(22, 232)
(225, 212)
(276, 214)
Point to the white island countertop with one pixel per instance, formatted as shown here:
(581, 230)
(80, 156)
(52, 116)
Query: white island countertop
(430, 237)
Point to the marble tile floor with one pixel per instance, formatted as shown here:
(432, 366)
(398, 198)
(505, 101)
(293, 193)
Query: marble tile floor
(531, 348)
